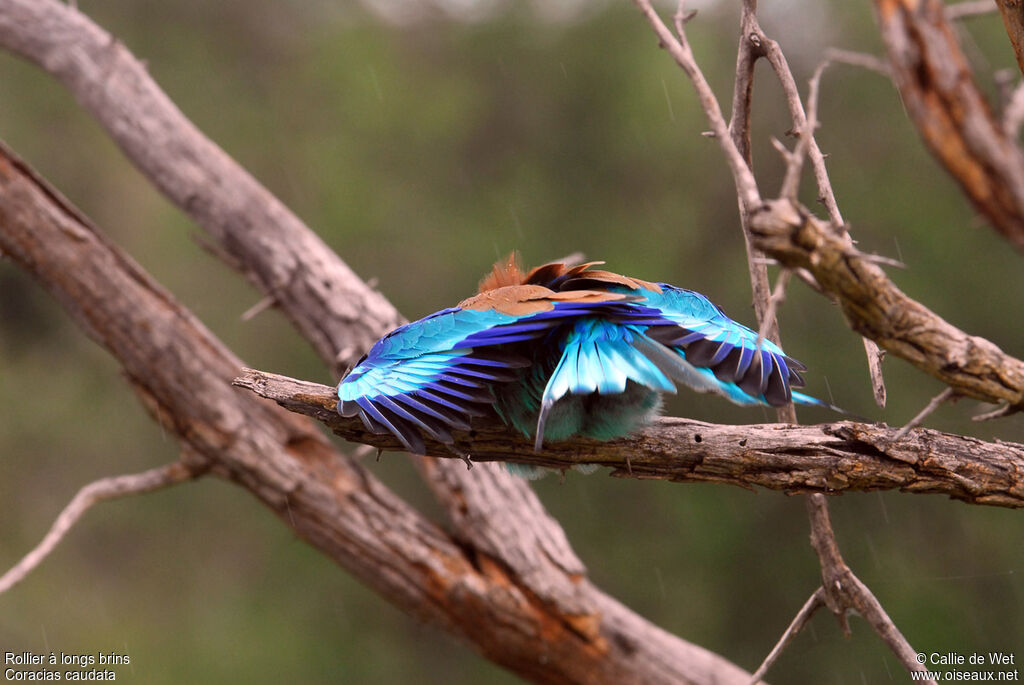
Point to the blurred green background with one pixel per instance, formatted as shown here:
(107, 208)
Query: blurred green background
(423, 142)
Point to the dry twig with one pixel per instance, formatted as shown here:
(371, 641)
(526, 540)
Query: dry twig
(93, 493)
(813, 603)
(932, 405)
(844, 592)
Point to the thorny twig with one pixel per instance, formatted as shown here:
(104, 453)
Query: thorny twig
(97, 491)
(924, 413)
(813, 603)
(844, 592)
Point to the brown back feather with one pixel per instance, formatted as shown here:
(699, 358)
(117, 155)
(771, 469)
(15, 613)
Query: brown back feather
(505, 272)
(508, 272)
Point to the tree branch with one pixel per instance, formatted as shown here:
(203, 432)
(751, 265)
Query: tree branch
(938, 91)
(844, 592)
(829, 458)
(877, 309)
(1013, 20)
(93, 493)
(182, 374)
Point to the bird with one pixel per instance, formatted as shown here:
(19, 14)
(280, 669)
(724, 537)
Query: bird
(561, 351)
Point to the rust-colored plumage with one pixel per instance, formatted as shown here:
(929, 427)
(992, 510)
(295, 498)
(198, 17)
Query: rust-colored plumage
(510, 290)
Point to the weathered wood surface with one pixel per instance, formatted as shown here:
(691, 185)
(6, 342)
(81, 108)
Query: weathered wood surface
(829, 458)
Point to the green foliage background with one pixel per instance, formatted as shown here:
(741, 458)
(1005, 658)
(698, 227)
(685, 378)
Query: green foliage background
(422, 152)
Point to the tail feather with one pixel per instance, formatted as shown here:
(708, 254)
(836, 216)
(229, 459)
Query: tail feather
(807, 400)
(600, 357)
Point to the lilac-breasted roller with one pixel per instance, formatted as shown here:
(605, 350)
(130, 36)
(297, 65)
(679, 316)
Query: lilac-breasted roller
(559, 352)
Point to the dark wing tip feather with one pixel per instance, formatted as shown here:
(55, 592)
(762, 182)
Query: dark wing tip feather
(777, 391)
(393, 424)
(758, 373)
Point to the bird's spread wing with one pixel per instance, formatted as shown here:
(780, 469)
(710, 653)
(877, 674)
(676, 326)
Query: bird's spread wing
(690, 339)
(435, 374)
(750, 372)
(584, 330)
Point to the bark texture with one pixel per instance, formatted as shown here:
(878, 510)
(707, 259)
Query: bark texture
(1012, 12)
(827, 458)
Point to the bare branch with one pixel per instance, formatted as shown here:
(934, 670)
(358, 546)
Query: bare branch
(93, 493)
(813, 603)
(969, 9)
(932, 405)
(844, 592)
(877, 309)
(830, 458)
(939, 93)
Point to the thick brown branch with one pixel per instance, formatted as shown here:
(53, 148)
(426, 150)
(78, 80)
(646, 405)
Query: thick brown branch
(828, 458)
(877, 309)
(954, 119)
(288, 262)
(182, 373)
(338, 313)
